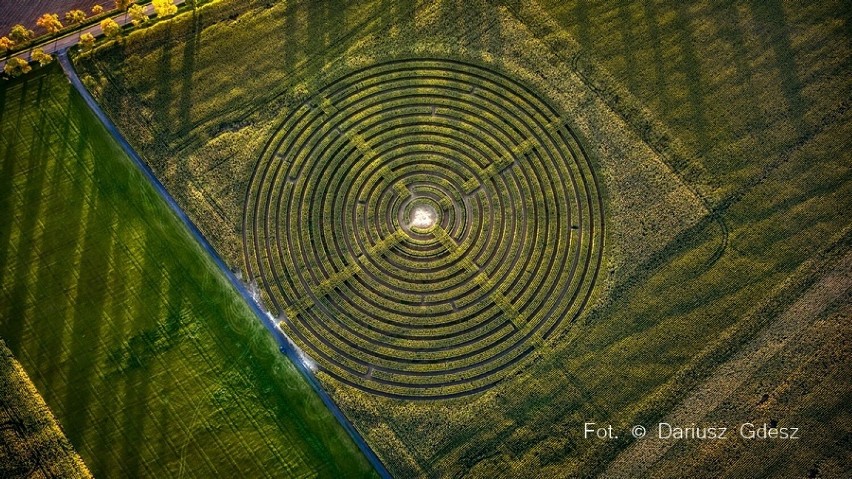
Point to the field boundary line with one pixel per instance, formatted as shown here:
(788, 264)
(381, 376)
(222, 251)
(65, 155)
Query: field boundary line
(285, 345)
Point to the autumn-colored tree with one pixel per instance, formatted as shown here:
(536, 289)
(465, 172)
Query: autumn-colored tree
(19, 34)
(110, 28)
(41, 57)
(87, 41)
(164, 8)
(6, 44)
(137, 15)
(123, 5)
(89, 81)
(97, 10)
(16, 67)
(50, 22)
(75, 16)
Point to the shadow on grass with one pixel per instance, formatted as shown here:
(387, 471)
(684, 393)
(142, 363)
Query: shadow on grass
(62, 231)
(778, 33)
(24, 261)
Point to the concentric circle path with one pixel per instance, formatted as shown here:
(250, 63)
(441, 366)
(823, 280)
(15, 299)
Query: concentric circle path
(422, 225)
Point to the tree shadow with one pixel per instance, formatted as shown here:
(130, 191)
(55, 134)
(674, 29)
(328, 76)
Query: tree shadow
(691, 67)
(190, 49)
(32, 196)
(61, 231)
(163, 96)
(135, 385)
(651, 18)
(778, 33)
(88, 314)
(180, 129)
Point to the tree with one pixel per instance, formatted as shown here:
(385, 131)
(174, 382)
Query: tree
(50, 22)
(110, 28)
(19, 34)
(42, 58)
(164, 8)
(87, 41)
(137, 15)
(90, 83)
(75, 16)
(123, 5)
(97, 10)
(16, 67)
(5, 45)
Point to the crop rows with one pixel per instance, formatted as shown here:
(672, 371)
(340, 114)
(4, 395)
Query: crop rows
(423, 312)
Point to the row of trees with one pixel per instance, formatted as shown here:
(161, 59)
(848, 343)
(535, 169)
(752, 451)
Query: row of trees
(18, 66)
(50, 22)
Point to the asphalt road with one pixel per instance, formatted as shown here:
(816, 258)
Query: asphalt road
(69, 40)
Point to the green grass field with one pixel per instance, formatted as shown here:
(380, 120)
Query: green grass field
(151, 362)
(720, 134)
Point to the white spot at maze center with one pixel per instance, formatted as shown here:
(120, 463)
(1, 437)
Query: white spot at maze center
(423, 217)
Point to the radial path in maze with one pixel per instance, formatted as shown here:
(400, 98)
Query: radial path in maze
(421, 226)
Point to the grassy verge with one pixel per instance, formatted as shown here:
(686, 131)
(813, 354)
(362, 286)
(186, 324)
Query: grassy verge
(151, 363)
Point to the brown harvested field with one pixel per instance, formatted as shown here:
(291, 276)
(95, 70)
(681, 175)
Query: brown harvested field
(27, 12)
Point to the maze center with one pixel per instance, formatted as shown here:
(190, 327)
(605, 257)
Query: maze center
(420, 216)
(423, 217)
(421, 226)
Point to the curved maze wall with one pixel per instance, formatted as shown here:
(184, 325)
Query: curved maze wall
(422, 225)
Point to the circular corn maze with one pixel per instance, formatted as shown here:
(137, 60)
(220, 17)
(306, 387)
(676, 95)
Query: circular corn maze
(422, 226)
